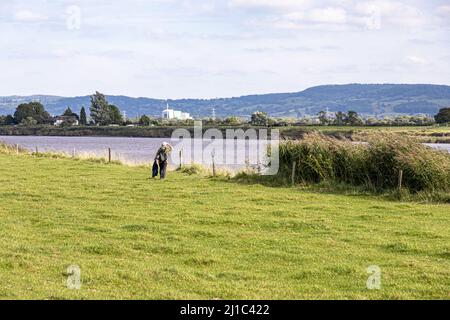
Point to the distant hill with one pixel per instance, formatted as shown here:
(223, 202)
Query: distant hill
(368, 99)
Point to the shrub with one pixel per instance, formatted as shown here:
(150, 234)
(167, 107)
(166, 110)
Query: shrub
(193, 169)
(375, 164)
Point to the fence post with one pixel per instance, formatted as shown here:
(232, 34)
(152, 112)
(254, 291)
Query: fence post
(400, 180)
(109, 155)
(17, 149)
(37, 150)
(73, 153)
(181, 159)
(294, 166)
(214, 166)
(259, 166)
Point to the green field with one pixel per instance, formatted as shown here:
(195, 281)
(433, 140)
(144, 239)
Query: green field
(193, 237)
(426, 134)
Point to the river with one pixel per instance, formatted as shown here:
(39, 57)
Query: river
(128, 150)
(133, 151)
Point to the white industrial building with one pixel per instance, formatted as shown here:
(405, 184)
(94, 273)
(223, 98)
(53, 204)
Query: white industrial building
(170, 114)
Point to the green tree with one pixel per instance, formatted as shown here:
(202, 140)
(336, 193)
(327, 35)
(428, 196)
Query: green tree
(115, 116)
(83, 117)
(144, 121)
(353, 119)
(233, 121)
(28, 122)
(443, 116)
(33, 110)
(340, 118)
(70, 113)
(260, 119)
(323, 118)
(100, 110)
(9, 120)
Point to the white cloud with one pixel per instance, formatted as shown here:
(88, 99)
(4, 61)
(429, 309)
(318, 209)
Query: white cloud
(192, 48)
(394, 13)
(29, 16)
(417, 60)
(269, 4)
(325, 15)
(199, 7)
(444, 10)
(339, 14)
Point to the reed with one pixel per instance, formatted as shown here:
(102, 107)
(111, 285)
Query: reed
(85, 156)
(11, 149)
(375, 164)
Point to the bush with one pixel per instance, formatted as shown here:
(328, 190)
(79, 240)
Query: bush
(193, 169)
(375, 165)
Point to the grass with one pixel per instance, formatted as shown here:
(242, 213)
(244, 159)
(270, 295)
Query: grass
(425, 134)
(192, 237)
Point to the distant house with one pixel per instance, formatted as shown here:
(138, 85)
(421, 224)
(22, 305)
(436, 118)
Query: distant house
(170, 114)
(66, 120)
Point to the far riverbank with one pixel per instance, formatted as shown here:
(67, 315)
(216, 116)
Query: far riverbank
(423, 134)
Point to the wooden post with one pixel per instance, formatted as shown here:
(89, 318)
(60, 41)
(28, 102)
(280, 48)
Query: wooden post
(294, 167)
(379, 181)
(259, 166)
(109, 155)
(37, 151)
(400, 180)
(17, 149)
(181, 159)
(214, 166)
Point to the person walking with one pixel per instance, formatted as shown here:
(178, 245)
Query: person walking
(162, 159)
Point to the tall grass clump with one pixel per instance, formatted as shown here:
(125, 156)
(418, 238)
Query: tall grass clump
(375, 164)
(424, 168)
(11, 149)
(192, 169)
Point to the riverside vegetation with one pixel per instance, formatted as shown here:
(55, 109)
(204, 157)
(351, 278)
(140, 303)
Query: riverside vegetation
(426, 134)
(374, 165)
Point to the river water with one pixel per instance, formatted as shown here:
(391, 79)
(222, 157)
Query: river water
(135, 150)
(128, 150)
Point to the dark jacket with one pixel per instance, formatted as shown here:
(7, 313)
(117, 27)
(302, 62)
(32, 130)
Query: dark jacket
(155, 169)
(162, 155)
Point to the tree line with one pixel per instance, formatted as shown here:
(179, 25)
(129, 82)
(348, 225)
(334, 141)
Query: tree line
(104, 114)
(34, 113)
(350, 118)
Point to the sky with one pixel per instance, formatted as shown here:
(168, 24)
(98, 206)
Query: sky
(172, 49)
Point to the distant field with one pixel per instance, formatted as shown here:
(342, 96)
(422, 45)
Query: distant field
(192, 237)
(425, 134)
(426, 129)
(431, 134)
